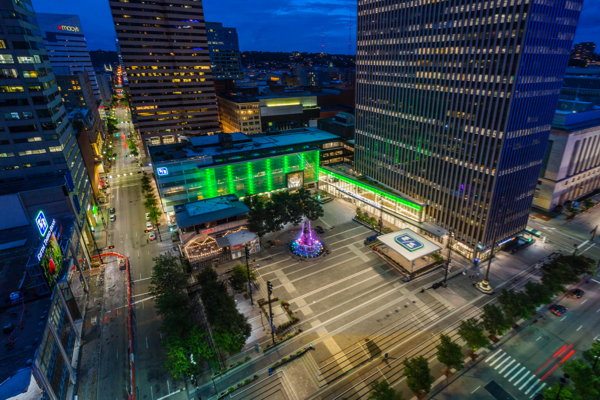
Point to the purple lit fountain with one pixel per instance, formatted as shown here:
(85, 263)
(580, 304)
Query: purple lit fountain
(307, 246)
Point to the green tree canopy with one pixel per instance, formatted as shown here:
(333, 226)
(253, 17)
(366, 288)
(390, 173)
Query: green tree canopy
(538, 293)
(239, 278)
(494, 320)
(472, 332)
(381, 390)
(449, 353)
(309, 205)
(418, 375)
(154, 215)
(257, 217)
(586, 384)
(516, 304)
(591, 355)
(552, 392)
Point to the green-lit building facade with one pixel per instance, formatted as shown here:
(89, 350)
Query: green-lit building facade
(211, 166)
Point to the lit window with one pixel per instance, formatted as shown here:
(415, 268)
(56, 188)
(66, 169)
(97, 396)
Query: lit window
(6, 59)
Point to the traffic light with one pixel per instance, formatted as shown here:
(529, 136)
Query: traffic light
(171, 229)
(269, 287)
(111, 247)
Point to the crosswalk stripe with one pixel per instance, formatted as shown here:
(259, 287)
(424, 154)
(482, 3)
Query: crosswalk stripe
(537, 390)
(515, 375)
(490, 358)
(512, 369)
(503, 361)
(497, 359)
(532, 386)
(526, 382)
(523, 377)
(507, 365)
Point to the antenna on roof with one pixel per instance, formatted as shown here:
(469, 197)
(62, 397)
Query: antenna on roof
(322, 41)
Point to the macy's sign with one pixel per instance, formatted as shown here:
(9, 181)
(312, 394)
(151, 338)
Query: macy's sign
(69, 28)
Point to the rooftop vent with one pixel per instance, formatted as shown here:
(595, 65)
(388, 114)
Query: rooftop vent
(225, 140)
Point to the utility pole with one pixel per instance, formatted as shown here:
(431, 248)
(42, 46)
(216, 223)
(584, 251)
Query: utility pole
(269, 293)
(450, 237)
(246, 247)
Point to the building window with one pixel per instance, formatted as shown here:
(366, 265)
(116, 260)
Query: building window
(29, 60)
(6, 59)
(31, 152)
(11, 89)
(9, 73)
(30, 74)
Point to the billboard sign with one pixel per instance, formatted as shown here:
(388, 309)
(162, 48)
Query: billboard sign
(162, 171)
(408, 242)
(52, 260)
(295, 180)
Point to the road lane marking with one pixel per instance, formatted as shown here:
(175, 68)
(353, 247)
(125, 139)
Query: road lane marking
(538, 339)
(525, 384)
(497, 359)
(523, 377)
(475, 389)
(594, 280)
(146, 341)
(583, 301)
(494, 355)
(587, 249)
(563, 318)
(499, 365)
(537, 390)
(583, 244)
(517, 374)
(512, 369)
(579, 328)
(532, 386)
(507, 365)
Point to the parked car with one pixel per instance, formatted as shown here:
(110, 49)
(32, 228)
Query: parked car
(149, 225)
(113, 218)
(557, 309)
(147, 216)
(111, 210)
(319, 229)
(151, 236)
(576, 293)
(121, 262)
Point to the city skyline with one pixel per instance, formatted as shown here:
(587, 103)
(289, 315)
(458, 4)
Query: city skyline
(263, 34)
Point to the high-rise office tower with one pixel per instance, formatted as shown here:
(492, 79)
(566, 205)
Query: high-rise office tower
(584, 51)
(225, 58)
(165, 52)
(37, 144)
(454, 103)
(66, 45)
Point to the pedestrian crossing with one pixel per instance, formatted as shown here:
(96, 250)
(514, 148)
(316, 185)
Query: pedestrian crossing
(517, 374)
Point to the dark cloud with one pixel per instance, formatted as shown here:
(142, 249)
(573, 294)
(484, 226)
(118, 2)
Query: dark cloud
(270, 25)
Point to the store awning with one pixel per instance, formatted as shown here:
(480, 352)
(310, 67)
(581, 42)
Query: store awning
(409, 244)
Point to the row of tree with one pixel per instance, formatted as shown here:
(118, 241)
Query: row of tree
(133, 148)
(497, 320)
(230, 328)
(185, 342)
(151, 202)
(272, 214)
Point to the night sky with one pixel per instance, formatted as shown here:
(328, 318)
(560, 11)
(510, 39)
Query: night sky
(270, 25)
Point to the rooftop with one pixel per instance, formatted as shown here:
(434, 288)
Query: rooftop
(202, 211)
(576, 115)
(204, 148)
(238, 99)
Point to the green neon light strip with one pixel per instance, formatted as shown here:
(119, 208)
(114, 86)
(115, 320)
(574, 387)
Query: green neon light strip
(374, 190)
(250, 178)
(210, 181)
(269, 175)
(230, 185)
(285, 165)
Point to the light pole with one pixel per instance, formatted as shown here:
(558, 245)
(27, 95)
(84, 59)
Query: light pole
(484, 286)
(563, 382)
(450, 237)
(246, 247)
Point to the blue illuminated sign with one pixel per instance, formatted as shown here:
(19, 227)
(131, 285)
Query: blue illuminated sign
(41, 223)
(408, 242)
(162, 171)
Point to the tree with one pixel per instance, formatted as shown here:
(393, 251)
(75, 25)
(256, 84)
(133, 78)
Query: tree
(584, 381)
(580, 264)
(151, 201)
(154, 215)
(230, 328)
(383, 391)
(257, 217)
(133, 150)
(538, 293)
(592, 354)
(472, 332)
(239, 278)
(288, 208)
(418, 375)
(438, 258)
(146, 186)
(551, 393)
(515, 304)
(552, 283)
(449, 354)
(310, 206)
(184, 352)
(494, 320)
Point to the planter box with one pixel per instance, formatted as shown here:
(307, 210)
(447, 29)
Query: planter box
(288, 359)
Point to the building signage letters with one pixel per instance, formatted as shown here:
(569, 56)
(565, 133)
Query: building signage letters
(211, 230)
(40, 253)
(162, 171)
(146, 108)
(69, 28)
(41, 223)
(369, 202)
(408, 242)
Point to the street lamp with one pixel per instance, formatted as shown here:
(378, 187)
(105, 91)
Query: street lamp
(563, 382)
(484, 286)
(246, 247)
(451, 231)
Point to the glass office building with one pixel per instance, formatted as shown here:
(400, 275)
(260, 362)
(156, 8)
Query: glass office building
(454, 103)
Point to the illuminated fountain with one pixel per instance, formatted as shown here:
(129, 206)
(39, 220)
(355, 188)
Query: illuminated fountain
(307, 246)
